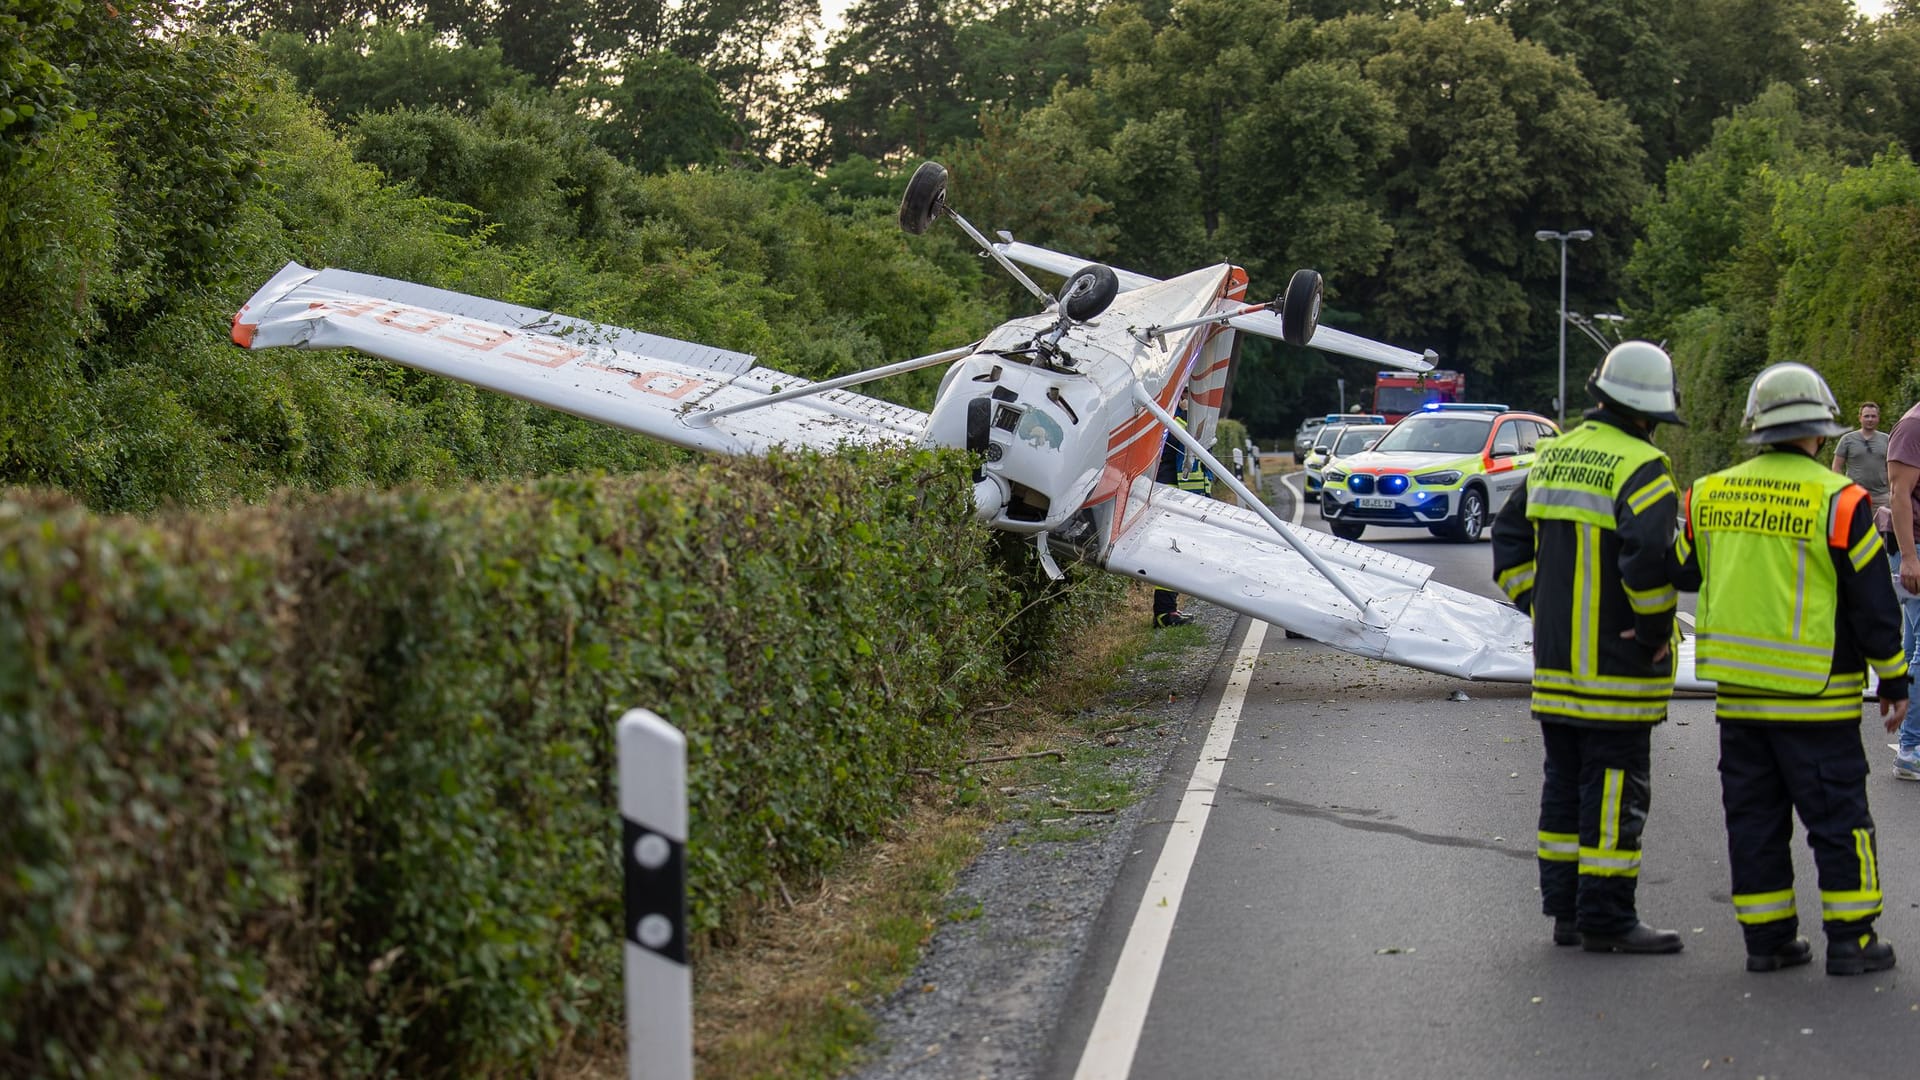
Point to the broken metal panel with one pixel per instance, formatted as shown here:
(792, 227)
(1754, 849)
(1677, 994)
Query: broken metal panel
(1228, 556)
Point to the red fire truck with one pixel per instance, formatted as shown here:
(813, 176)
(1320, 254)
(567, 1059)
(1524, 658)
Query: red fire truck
(1397, 393)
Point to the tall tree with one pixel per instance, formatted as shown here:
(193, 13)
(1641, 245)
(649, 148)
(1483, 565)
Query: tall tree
(1628, 50)
(1731, 50)
(661, 111)
(1502, 139)
(365, 69)
(890, 80)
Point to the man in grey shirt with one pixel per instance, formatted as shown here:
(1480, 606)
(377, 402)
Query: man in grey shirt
(1861, 455)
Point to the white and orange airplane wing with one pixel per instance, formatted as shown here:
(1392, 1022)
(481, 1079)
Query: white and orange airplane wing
(1229, 556)
(654, 385)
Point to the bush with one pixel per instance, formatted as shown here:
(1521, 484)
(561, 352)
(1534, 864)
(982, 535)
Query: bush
(326, 786)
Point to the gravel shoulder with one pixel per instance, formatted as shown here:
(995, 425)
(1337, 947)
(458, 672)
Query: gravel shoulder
(989, 990)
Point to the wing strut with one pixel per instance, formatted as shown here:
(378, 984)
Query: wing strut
(1257, 505)
(706, 419)
(1158, 334)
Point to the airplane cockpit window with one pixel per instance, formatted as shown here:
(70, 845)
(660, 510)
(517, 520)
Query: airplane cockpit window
(1438, 434)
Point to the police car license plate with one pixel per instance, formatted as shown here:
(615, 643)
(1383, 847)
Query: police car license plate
(1375, 503)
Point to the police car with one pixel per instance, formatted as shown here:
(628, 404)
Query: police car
(1447, 468)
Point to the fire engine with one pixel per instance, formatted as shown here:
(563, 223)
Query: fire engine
(1397, 393)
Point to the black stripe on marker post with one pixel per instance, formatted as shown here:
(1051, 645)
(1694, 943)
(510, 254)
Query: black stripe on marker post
(655, 871)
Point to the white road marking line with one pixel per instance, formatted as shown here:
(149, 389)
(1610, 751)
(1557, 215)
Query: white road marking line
(1123, 1012)
(1685, 618)
(1299, 496)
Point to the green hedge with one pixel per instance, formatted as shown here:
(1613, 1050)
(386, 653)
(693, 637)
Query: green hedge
(326, 788)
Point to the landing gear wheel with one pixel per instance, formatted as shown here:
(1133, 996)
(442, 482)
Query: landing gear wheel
(1471, 519)
(1347, 532)
(926, 196)
(1300, 311)
(1088, 292)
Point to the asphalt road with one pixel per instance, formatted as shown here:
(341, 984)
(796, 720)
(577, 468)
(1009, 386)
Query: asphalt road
(1362, 899)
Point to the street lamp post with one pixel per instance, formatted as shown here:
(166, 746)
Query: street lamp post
(1563, 237)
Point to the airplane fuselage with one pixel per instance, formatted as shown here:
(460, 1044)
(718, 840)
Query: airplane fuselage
(1049, 406)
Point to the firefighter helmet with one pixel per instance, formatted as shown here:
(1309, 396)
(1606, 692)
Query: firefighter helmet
(1637, 378)
(1791, 401)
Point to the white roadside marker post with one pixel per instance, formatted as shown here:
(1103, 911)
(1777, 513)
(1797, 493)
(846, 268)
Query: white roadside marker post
(653, 860)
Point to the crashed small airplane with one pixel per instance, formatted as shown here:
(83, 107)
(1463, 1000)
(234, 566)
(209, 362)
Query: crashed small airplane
(1066, 412)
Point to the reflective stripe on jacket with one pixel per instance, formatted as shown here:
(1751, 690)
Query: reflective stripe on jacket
(1796, 599)
(1583, 548)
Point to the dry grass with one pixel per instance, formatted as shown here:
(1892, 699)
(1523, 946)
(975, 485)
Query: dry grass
(787, 997)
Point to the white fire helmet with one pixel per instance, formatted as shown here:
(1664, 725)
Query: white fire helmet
(1791, 401)
(1637, 377)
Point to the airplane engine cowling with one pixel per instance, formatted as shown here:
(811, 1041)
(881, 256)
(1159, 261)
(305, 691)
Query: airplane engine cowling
(989, 499)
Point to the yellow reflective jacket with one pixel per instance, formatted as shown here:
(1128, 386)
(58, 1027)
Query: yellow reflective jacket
(1795, 596)
(1583, 548)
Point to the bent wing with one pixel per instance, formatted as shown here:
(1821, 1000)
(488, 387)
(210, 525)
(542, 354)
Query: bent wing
(1228, 556)
(1064, 265)
(1264, 323)
(1327, 339)
(640, 382)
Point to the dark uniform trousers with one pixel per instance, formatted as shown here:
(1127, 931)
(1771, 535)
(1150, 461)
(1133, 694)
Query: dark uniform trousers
(1594, 799)
(1766, 773)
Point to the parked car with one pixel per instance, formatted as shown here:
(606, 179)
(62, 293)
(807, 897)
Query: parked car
(1303, 439)
(1448, 467)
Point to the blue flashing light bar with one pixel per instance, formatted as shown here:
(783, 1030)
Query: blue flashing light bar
(1355, 418)
(1463, 406)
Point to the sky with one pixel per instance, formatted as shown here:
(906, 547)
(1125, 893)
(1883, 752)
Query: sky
(830, 10)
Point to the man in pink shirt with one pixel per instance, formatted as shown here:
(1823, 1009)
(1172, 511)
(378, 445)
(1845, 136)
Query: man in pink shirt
(1903, 482)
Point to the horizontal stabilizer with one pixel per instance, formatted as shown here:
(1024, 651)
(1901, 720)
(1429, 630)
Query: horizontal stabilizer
(1064, 265)
(1264, 323)
(1327, 339)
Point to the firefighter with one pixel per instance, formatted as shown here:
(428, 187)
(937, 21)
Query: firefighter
(1583, 548)
(1185, 471)
(1795, 602)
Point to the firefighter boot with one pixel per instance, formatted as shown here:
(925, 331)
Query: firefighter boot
(1640, 939)
(1857, 954)
(1564, 932)
(1792, 954)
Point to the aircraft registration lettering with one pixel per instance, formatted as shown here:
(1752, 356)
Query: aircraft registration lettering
(472, 335)
(412, 320)
(477, 336)
(358, 307)
(547, 354)
(676, 385)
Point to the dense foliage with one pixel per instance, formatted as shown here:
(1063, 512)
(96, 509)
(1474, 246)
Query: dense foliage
(155, 173)
(326, 786)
